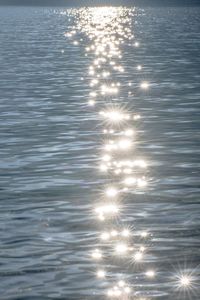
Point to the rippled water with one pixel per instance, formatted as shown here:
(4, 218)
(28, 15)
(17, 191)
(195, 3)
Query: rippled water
(50, 143)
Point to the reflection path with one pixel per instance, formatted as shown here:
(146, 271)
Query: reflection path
(108, 30)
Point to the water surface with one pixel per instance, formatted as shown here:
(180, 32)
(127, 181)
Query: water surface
(50, 145)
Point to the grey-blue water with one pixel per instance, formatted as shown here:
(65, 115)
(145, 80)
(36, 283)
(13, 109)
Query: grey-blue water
(49, 148)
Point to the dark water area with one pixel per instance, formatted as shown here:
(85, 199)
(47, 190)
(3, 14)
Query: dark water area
(49, 154)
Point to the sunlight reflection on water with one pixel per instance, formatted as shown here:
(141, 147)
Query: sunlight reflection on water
(76, 118)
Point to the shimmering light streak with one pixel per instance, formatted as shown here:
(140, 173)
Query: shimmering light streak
(105, 211)
(106, 29)
(115, 116)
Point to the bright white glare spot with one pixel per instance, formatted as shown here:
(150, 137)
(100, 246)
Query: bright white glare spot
(117, 171)
(140, 163)
(101, 274)
(129, 132)
(114, 233)
(93, 94)
(96, 254)
(185, 280)
(139, 67)
(111, 192)
(130, 181)
(125, 233)
(136, 117)
(109, 209)
(105, 236)
(110, 293)
(67, 34)
(103, 168)
(91, 72)
(121, 283)
(101, 217)
(127, 290)
(115, 115)
(127, 171)
(115, 292)
(91, 102)
(94, 82)
(105, 74)
(136, 44)
(138, 256)
(144, 85)
(144, 234)
(150, 274)
(142, 248)
(141, 183)
(106, 157)
(110, 146)
(108, 90)
(121, 248)
(124, 144)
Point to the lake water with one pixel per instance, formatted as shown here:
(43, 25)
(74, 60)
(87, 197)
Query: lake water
(50, 151)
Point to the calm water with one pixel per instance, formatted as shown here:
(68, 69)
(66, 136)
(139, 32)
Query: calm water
(50, 143)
